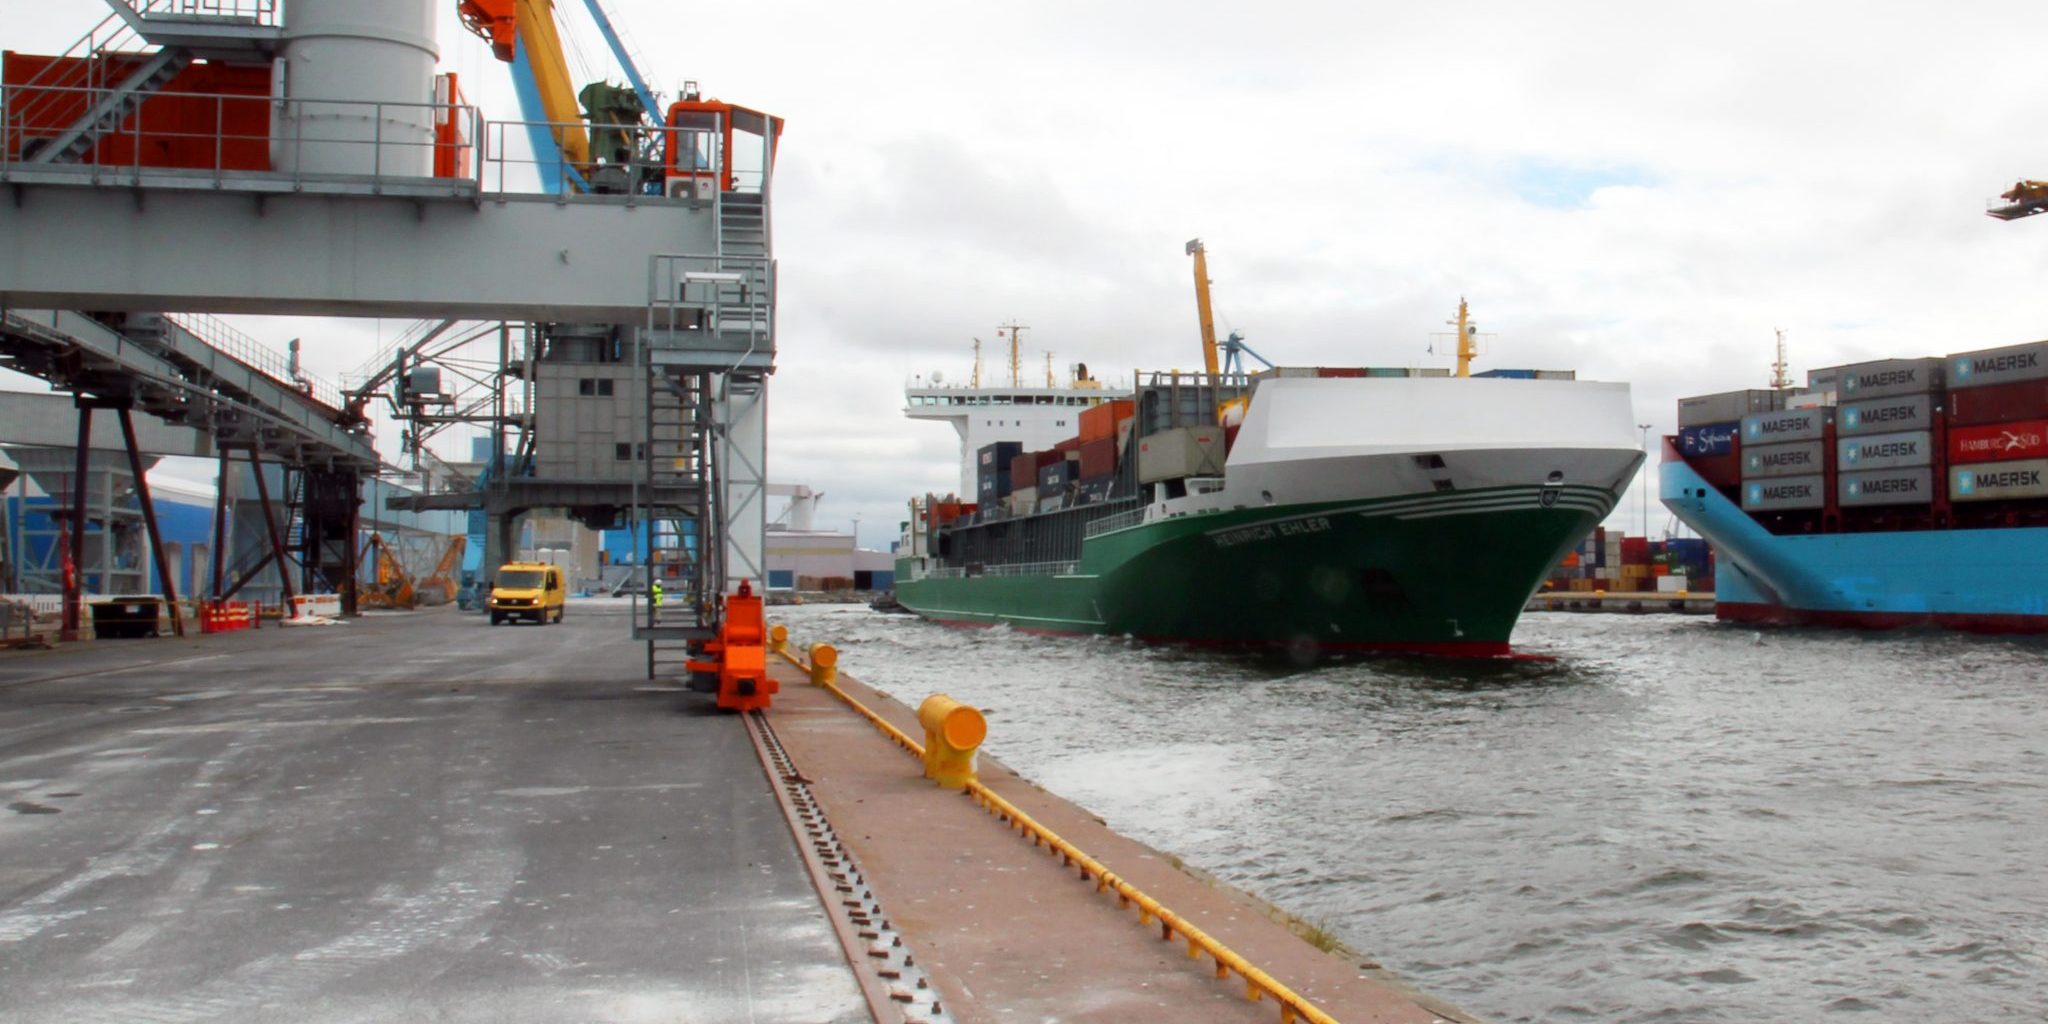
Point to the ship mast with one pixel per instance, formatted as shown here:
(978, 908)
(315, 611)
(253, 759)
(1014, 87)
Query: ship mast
(1048, 372)
(1780, 379)
(1016, 332)
(1468, 347)
(976, 382)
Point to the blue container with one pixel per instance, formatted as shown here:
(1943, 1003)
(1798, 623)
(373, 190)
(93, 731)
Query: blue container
(1707, 439)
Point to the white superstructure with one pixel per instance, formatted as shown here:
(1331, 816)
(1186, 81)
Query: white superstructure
(1037, 418)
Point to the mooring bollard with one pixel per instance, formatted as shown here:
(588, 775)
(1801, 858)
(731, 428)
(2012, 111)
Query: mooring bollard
(952, 731)
(778, 639)
(824, 664)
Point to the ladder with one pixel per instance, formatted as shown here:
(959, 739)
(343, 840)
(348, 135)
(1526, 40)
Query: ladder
(678, 488)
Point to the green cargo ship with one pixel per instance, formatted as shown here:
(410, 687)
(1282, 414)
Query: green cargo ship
(1341, 513)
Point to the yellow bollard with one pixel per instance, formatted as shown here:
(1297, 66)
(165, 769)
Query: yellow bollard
(824, 664)
(778, 639)
(952, 731)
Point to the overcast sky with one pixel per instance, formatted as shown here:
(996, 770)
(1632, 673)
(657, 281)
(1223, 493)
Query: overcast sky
(1638, 192)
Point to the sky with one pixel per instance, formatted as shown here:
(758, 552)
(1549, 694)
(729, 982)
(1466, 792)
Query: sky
(1642, 193)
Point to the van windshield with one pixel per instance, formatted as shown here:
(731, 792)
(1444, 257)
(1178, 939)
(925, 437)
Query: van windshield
(520, 579)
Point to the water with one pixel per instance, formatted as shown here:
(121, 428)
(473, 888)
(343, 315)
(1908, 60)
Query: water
(1676, 820)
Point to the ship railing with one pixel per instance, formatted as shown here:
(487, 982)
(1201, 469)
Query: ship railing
(954, 572)
(1112, 523)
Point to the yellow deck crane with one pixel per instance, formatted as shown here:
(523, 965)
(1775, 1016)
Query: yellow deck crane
(2024, 199)
(1202, 310)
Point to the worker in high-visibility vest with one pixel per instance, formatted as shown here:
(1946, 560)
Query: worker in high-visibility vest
(654, 594)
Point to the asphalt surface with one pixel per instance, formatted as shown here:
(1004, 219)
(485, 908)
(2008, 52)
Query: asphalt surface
(406, 817)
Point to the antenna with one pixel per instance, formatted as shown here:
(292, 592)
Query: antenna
(1016, 331)
(976, 382)
(1779, 378)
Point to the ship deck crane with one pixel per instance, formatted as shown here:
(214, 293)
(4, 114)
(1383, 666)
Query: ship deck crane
(1232, 348)
(2024, 199)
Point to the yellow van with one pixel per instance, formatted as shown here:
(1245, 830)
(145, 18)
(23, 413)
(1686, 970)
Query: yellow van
(528, 590)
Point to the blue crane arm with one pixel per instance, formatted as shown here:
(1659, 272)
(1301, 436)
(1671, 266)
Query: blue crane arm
(611, 39)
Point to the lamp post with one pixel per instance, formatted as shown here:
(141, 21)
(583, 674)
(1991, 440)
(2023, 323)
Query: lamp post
(856, 531)
(1645, 484)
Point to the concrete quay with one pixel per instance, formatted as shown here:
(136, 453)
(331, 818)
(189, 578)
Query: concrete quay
(420, 816)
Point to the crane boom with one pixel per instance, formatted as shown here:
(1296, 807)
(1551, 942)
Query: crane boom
(2024, 199)
(523, 34)
(1208, 318)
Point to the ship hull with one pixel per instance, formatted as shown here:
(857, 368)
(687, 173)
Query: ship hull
(1444, 573)
(1976, 580)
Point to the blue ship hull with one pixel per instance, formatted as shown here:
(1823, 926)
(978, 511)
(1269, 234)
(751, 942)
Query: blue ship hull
(1982, 580)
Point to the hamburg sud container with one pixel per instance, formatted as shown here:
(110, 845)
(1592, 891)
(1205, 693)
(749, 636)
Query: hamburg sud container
(1999, 481)
(1998, 442)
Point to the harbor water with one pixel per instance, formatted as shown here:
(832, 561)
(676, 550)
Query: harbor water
(1674, 820)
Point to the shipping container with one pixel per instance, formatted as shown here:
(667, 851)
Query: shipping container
(1180, 452)
(2006, 365)
(1557, 375)
(1795, 459)
(1097, 490)
(1708, 438)
(1826, 378)
(1887, 377)
(1024, 502)
(1999, 442)
(1098, 422)
(1784, 494)
(1510, 374)
(1780, 427)
(1885, 451)
(1053, 478)
(1886, 487)
(1879, 415)
(1999, 481)
(1671, 585)
(1098, 457)
(996, 457)
(1072, 444)
(1809, 399)
(1726, 406)
(1719, 470)
(1999, 403)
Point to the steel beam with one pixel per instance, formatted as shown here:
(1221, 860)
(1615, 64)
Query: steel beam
(573, 259)
(221, 510)
(74, 584)
(156, 539)
(284, 573)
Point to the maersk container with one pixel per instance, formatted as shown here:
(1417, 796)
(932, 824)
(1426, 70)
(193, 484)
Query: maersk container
(1708, 438)
(1768, 460)
(1998, 365)
(1902, 412)
(1784, 494)
(1885, 451)
(1783, 426)
(1887, 377)
(1998, 442)
(1886, 487)
(1999, 481)
(1999, 403)
(1728, 405)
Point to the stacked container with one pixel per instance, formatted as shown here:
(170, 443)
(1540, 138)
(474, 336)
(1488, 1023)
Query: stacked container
(1707, 429)
(992, 472)
(1998, 424)
(1784, 460)
(1884, 451)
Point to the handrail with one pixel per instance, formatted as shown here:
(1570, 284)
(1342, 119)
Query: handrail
(1258, 983)
(222, 336)
(1114, 522)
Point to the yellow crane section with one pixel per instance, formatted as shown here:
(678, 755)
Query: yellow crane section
(2024, 199)
(1202, 309)
(511, 26)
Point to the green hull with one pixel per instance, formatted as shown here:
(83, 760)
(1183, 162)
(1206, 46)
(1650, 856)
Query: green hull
(1446, 573)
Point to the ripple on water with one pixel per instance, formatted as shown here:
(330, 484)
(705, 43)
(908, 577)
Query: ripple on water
(1675, 820)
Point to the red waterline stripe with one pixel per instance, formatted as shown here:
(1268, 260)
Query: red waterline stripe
(1436, 649)
(1770, 614)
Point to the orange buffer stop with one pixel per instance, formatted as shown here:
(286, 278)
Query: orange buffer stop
(741, 653)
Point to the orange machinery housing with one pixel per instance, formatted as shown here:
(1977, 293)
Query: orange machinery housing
(740, 655)
(210, 116)
(691, 121)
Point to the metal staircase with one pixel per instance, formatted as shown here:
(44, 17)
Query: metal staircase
(742, 225)
(107, 111)
(678, 492)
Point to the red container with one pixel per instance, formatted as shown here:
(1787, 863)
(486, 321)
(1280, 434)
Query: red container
(1635, 551)
(1099, 421)
(1098, 458)
(1024, 467)
(1719, 470)
(208, 115)
(1072, 444)
(1340, 371)
(1998, 403)
(2027, 439)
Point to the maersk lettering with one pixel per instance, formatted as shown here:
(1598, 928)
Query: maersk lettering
(1895, 485)
(1778, 426)
(1888, 413)
(2009, 478)
(2001, 364)
(1786, 492)
(1888, 450)
(1779, 460)
(1885, 378)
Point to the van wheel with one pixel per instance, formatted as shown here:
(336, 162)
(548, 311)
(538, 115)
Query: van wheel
(559, 612)
(497, 619)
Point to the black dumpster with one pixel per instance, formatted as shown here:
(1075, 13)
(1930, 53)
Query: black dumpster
(125, 618)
